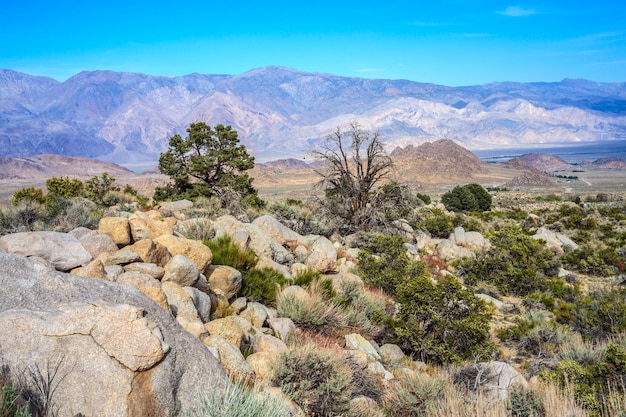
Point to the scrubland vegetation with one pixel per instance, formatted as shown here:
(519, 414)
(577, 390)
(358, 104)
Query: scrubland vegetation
(561, 319)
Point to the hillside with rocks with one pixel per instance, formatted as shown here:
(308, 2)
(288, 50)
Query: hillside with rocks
(137, 319)
(282, 113)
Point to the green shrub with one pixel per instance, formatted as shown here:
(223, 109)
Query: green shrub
(199, 228)
(524, 402)
(424, 197)
(437, 223)
(437, 321)
(263, 284)
(96, 188)
(65, 187)
(227, 252)
(593, 383)
(77, 212)
(470, 197)
(306, 277)
(28, 194)
(319, 380)
(236, 400)
(600, 314)
(515, 263)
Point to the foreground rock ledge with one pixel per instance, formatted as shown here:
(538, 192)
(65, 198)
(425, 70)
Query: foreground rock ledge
(115, 352)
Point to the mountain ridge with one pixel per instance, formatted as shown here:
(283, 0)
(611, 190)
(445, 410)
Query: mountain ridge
(281, 112)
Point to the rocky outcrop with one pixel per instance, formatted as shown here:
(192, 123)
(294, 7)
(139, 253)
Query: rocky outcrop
(114, 351)
(62, 250)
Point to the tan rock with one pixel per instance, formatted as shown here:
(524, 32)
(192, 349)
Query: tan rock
(181, 270)
(98, 244)
(228, 329)
(94, 269)
(200, 254)
(224, 280)
(270, 344)
(261, 364)
(255, 313)
(151, 252)
(282, 327)
(151, 269)
(116, 227)
(144, 227)
(180, 302)
(231, 359)
(158, 296)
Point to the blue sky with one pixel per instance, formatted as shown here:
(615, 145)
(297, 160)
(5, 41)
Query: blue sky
(449, 42)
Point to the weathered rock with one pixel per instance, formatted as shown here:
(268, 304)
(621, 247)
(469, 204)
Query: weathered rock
(391, 353)
(323, 257)
(277, 230)
(224, 280)
(282, 327)
(377, 368)
(179, 300)
(94, 269)
(60, 249)
(138, 280)
(123, 257)
(228, 329)
(295, 291)
(554, 240)
(200, 254)
(151, 269)
(116, 227)
(498, 378)
(143, 227)
(193, 326)
(112, 272)
(158, 296)
(116, 351)
(98, 244)
(476, 241)
(490, 299)
(268, 263)
(259, 241)
(365, 406)
(176, 206)
(81, 232)
(267, 343)
(201, 301)
(449, 251)
(151, 252)
(255, 313)
(231, 359)
(355, 341)
(261, 364)
(239, 305)
(182, 271)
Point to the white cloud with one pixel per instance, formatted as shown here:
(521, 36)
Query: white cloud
(516, 11)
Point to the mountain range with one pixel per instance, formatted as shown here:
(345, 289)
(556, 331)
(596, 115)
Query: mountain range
(281, 113)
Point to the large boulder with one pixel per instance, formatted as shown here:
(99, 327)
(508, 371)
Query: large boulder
(182, 271)
(278, 231)
(115, 352)
(323, 257)
(225, 280)
(62, 250)
(116, 227)
(256, 239)
(150, 251)
(199, 253)
(554, 240)
(97, 244)
(497, 378)
(450, 251)
(144, 227)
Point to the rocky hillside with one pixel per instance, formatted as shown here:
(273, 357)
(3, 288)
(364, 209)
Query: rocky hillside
(442, 161)
(281, 113)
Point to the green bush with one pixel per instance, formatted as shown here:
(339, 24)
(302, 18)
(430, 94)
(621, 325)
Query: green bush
(227, 252)
(263, 284)
(439, 321)
(600, 314)
(524, 402)
(28, 194)
(515, 263)
(593, 383)
(236, 400)
(470, 197)
(65, 187)
(318, 380)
